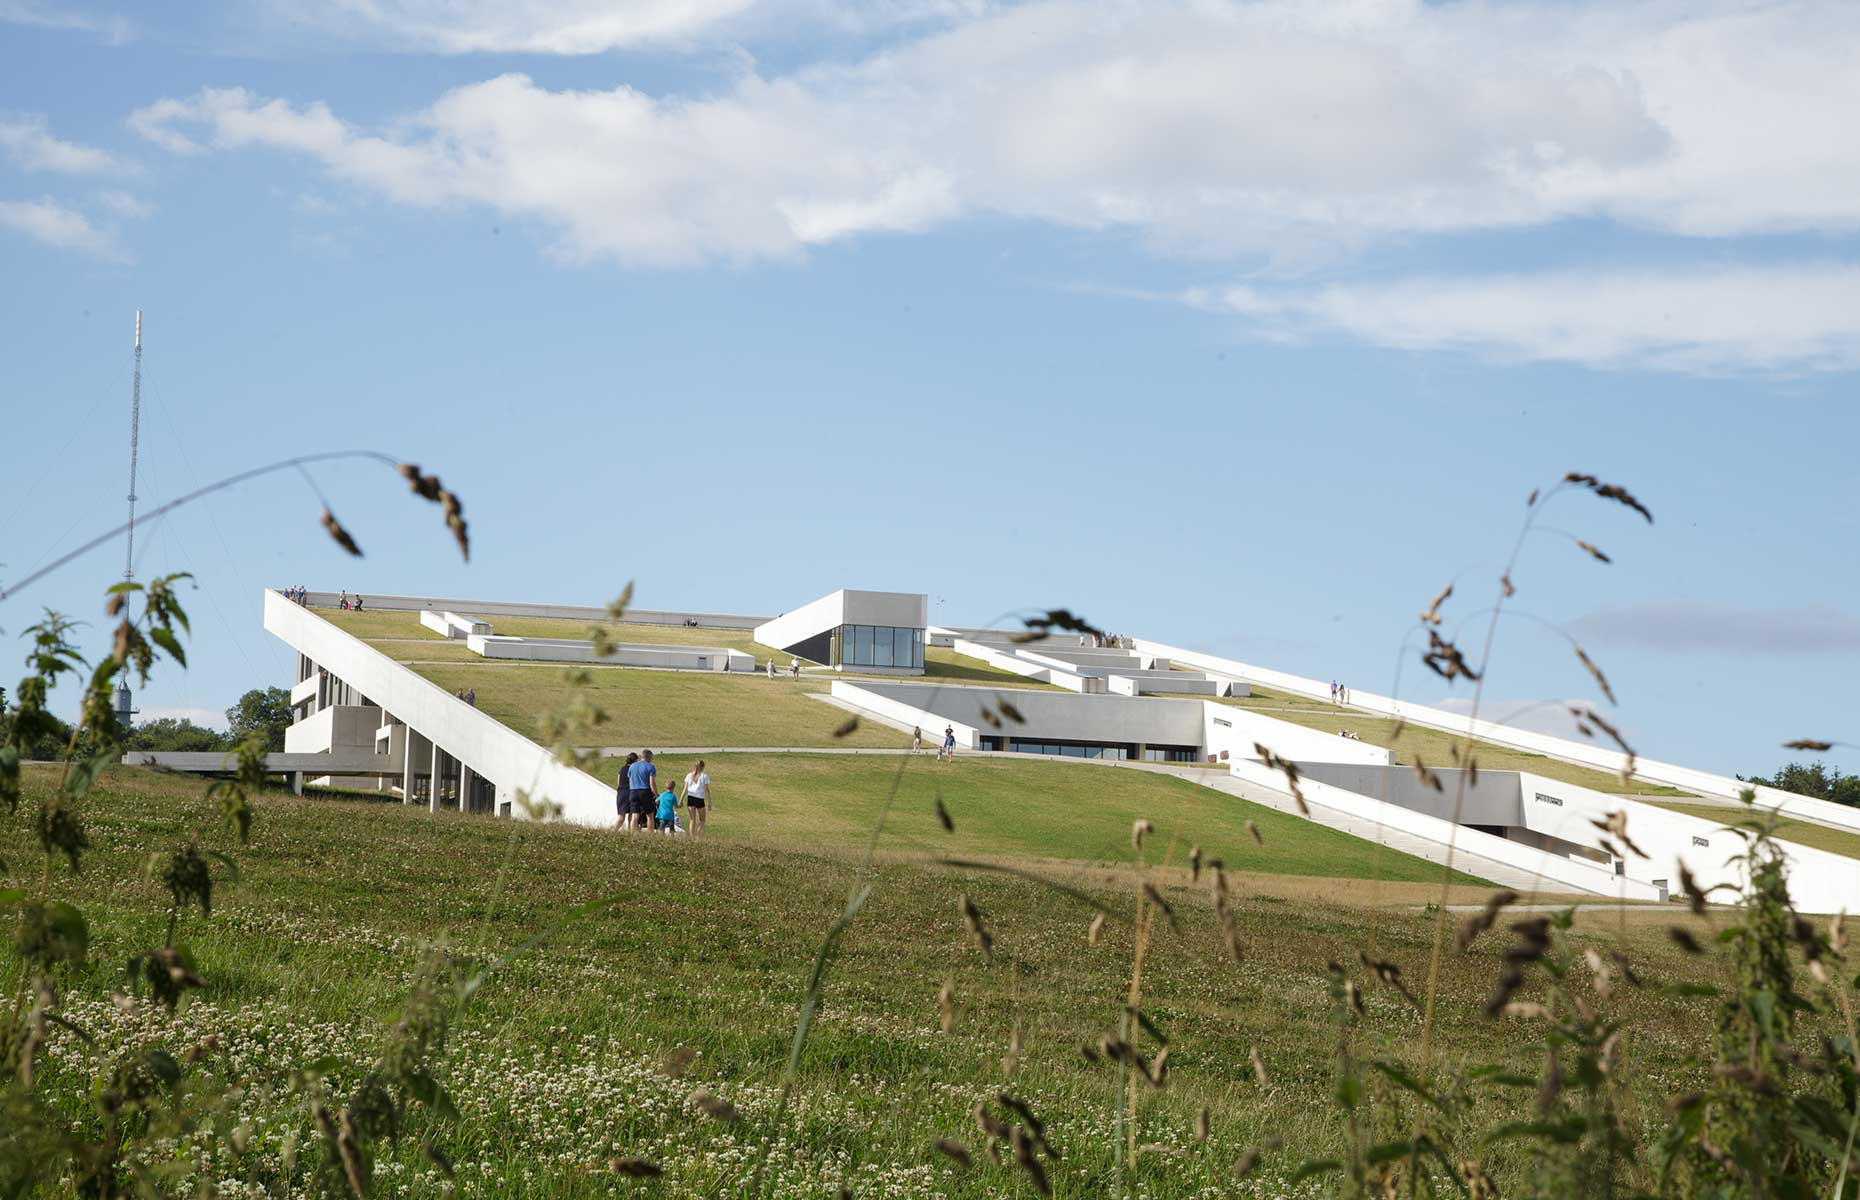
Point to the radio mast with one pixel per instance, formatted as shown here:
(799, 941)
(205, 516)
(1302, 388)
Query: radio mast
(135, 439)
(124, 712)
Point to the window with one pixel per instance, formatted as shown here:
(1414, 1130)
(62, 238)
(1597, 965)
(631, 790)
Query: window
(881, 646)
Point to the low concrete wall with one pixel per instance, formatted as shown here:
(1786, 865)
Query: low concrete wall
(1149, 683)
(1047, 715)
(1028, 668)
(1236, 730)
(565, 612)
(676, 658)
(1558, 873)
(450, 624)
(1496, 799)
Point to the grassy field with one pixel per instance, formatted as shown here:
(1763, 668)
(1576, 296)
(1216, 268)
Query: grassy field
(1434, 746)
(400, 636)
(1018, 809)
(555, 1065)
(667, 708)
(1805, 833)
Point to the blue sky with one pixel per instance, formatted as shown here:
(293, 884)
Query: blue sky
(1240, 326)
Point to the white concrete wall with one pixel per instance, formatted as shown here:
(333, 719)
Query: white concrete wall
(1557, 873)
(338, 727)
(1146, 683)
(1100, 718)
(848, 606)
(1588, 754)
(678, 658)
(1242, 729)
(451, 625)
(1027, 668)
(1819, 881)
(1495, 799)
(490, 748)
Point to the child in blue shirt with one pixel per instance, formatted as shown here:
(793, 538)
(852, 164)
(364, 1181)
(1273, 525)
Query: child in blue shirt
(668, 810)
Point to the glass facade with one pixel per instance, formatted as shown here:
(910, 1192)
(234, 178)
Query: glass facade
(1068, 749)
(1071, 749)
(880, 646)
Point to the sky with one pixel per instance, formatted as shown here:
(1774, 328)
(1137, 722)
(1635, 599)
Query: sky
(1242, 326)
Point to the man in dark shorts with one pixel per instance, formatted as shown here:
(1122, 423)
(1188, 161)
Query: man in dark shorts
(641, 778)
(623, 795)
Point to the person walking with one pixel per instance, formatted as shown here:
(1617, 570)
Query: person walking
(697, 797)
(771, 666)
(917, 738)
(948, 752)
(358, 602)
(345, 599)
(623, 795)
(794, 669)
(666, 820)
(471, 697)
(641, 778)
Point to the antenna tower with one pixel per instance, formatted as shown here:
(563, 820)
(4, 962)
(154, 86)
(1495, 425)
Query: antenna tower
(135, 439)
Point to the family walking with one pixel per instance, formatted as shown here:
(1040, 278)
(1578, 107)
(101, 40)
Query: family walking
(640, 802)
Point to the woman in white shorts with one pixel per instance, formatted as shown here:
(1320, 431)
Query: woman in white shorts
(697, 797)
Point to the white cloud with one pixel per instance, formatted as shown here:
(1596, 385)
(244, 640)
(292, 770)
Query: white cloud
(1691, 627)
(211, 718)
(534, 26)
(113, 29)
(579, 27)
(26, 140)
(1795, 317)
(48, 221)
(124, 204)
(1279, 130)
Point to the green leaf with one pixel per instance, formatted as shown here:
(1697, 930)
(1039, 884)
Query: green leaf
(1566, 1133)
(1390, 1151)
(1349, 1091)
(167, 641)
(1402, 1079)
(226, 860)
(1320, 1166)
(53, 932)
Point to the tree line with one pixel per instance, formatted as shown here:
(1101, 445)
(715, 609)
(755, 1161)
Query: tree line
(264, 711)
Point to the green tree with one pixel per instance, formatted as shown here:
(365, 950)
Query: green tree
(172, 733)
(264, 711)
(1816, 780)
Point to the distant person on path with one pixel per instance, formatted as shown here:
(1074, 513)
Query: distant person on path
(358, 602)
(1333, 691)
(641, 777)
(667, 818)
(917, 738)
(697, 797)
(345, 599)
(771, 666)
(948, 752)
(471, 697)
(623, 795)
(794, 669)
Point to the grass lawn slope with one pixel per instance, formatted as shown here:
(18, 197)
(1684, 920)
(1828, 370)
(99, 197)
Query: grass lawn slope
(1013, 808)
(554, 1066)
